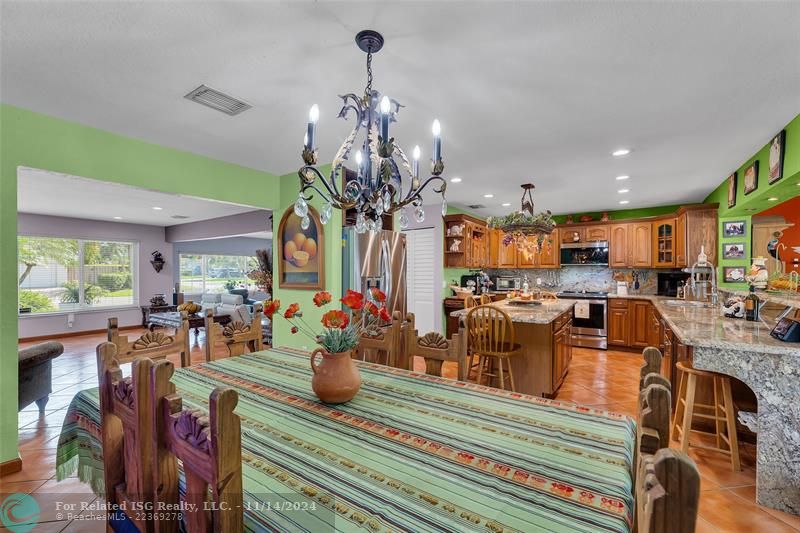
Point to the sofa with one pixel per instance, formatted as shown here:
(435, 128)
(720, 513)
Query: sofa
(227, 304)
(35, 373)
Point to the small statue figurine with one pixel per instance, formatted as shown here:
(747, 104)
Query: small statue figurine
(758, 275)
(569, 220)
(733, 308)
(455, 246)
(604, 218)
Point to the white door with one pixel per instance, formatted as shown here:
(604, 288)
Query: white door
(422, 291)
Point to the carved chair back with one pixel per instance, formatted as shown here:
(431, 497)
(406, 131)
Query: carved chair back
(470, 302)
(435, 349)
(237, 336)
(485, 299)
(153, 344)
(127, 434)
(385, 339)
(490, 330)
(210, 449)
(667, 493)
(651, 364)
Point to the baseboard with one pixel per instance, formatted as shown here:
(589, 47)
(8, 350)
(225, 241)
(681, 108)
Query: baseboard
(56, 336)
(11, 467)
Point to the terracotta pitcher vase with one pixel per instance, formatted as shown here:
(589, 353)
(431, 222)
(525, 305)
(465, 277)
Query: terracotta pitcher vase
(336, 378)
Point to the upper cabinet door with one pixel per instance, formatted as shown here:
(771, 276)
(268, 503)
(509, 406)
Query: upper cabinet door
(550, 255)
(664, 243)
(639, 244)
(680, 241)
(571, 235)
(595, 233)
(618, 246)
(495, 236)
(506, 253)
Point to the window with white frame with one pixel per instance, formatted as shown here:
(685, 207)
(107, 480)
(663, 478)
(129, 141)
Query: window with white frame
(201, 273)
(60, 274)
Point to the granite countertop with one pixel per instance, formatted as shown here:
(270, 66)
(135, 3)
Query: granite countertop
(706, 327)
(781, 298)
(529, 314)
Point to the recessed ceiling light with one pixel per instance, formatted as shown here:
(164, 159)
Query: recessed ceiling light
(455, 180)
(117, 218)
(620, 178)
(623, 202)
(506, 204)
(156, 208)
(621, 152)
(488, 195)
(772, 199)
(623, 191)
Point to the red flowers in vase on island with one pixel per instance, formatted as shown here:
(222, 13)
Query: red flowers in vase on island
(341, 330)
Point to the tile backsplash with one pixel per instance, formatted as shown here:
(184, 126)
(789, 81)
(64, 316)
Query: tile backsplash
(589, 278)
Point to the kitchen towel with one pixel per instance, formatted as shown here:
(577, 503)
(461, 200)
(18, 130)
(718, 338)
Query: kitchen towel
(582, 310)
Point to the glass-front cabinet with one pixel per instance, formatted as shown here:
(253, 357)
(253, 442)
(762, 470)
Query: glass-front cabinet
(664, 243)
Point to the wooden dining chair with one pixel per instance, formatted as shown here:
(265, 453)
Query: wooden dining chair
(470, 302)
(435, 349)
(490, 333)
(210, 449)
(237, 336)
(153, 344)
(383, 340)
(485, 299)
(128, 438)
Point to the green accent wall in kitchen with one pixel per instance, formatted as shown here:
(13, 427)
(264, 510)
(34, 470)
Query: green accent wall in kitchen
(35, 140)
(758, 200)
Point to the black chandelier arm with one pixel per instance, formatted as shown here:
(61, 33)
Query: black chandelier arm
(417, 193)
(309, 183)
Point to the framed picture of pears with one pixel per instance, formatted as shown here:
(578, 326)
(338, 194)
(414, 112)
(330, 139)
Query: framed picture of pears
(302, 261)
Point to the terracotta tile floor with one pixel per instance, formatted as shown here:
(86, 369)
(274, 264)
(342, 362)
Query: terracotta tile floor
(602, 379)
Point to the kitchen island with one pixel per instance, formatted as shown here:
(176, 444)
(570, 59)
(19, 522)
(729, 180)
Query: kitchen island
(771, 368)
(543, 331)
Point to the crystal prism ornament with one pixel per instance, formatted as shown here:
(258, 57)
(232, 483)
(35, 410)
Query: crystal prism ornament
(387, 201)
(403, 220)
(370, 225)
(305, 222)
(379, 224)
(300, 207)
(326, 213)
(444, 207)
(379, 208)
(361, 224)
(419, 214)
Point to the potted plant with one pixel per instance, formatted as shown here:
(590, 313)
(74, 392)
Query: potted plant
(336, 378)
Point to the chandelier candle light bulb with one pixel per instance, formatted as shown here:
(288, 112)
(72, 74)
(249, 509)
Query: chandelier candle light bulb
(415, 163)
(386, 106)
(313, 117)
(437, 140)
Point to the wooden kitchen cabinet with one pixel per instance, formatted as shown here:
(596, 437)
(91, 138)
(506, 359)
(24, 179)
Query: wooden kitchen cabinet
(562, 354)
(640, 323)
(572, 235)
(618, 322)
(618, 246)
(550, 255)
(680, 241)
(466, 242)
(664, 243)
(639, 245)
(595, 233)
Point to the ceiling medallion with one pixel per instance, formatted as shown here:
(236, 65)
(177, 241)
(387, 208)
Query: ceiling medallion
(379, 186)
(524, 228)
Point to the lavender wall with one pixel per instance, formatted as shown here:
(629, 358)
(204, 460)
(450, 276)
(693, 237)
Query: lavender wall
(213, 228)
(150, 238)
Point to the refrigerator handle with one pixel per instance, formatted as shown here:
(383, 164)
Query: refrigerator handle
(386, 267)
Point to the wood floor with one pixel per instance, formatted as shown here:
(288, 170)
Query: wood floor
(596, 378)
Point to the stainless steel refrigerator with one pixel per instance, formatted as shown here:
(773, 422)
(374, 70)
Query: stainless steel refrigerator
(375, 259)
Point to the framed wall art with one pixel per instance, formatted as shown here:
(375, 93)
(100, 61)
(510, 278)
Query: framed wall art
(733, 274)
(733, 250)
(751, 177)
(732, 190)
(301, 263)
(734, 229)
(776, 150)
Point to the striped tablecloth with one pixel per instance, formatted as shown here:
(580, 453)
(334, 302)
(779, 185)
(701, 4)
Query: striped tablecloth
(411, 452)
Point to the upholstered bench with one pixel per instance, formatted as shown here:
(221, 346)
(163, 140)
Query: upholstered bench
(35, 373)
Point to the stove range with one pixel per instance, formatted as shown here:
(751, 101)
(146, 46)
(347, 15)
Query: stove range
(589, 318)
(583, 294)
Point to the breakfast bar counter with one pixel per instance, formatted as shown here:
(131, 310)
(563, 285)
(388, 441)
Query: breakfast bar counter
(771, 368)
(543, 331)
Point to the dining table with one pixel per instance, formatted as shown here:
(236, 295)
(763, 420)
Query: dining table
(411, 452)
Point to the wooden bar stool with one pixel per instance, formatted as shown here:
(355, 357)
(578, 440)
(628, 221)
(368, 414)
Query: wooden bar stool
(721, 412)
(491, 338)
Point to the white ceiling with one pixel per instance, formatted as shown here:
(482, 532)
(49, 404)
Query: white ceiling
(43, 192)
(539, 92)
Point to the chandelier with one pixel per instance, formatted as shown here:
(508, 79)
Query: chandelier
(379, 187)
(524, 228)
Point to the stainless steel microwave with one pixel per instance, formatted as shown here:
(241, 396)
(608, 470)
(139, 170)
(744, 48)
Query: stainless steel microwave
(506, 284)
(584, 253)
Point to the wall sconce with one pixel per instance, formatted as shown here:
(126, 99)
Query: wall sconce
(157, 261)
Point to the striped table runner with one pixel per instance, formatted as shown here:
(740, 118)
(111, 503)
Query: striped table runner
(411, 452)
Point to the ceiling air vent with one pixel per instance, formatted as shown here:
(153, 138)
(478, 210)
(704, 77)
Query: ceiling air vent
(180, 217)
(477, 206)
(216, 100)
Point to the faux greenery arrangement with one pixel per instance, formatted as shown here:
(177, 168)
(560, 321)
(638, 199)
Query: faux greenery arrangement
(341, 331)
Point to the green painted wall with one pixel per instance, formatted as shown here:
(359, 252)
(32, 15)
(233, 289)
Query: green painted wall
(35, 140)
(757, 201)
(290, 185)
(622, 214)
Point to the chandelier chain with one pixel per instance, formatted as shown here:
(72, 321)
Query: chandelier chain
(368, 88)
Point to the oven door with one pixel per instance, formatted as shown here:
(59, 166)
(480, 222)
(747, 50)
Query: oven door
(596, 323)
